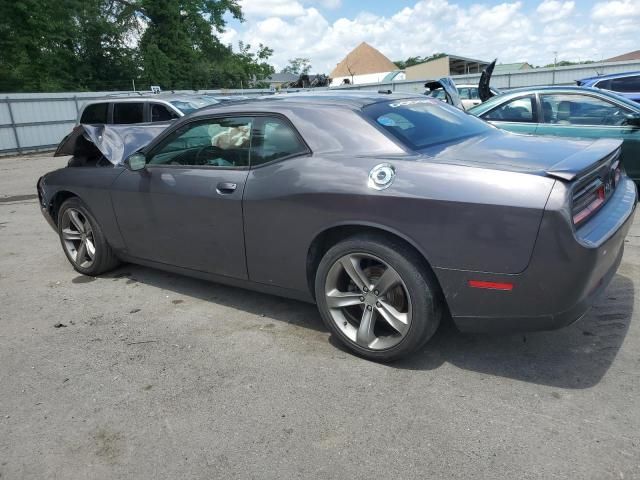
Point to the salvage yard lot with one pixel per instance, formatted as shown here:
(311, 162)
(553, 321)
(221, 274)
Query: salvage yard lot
(153, 375)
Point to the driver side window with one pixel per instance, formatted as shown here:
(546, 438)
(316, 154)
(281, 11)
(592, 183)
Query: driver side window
(571, 109)
(219, 142)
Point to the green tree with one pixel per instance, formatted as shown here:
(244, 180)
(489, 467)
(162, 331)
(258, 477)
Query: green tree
(60, 45)
(243, 68)
(178, 49)
(411, 61)
(107, 44)
(298, 66)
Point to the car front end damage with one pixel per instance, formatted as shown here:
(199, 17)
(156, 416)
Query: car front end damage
(578, 249)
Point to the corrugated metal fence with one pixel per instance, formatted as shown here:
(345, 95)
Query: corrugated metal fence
(38, 121)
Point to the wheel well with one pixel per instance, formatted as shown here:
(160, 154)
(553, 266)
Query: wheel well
(58, 199)
(327, 239)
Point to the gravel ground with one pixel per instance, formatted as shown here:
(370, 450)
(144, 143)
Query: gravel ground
(160, 376)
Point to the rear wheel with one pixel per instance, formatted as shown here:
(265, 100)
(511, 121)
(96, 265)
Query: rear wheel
(82, 239)
(376, 297)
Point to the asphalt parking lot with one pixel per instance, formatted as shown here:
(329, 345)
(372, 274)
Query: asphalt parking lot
(153, 375)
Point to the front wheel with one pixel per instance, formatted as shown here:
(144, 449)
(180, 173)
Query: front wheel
(82, 239)
(376, 297)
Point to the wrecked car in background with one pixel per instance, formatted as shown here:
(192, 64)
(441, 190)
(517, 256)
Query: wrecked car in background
(386, 210)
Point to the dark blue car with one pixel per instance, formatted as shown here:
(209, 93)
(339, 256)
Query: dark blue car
(626, 84)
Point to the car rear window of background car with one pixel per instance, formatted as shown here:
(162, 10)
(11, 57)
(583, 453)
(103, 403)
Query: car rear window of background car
(625, 84)
(128, 112)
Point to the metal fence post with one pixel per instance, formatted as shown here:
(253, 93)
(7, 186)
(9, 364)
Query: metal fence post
(13, 126)
(75, 99)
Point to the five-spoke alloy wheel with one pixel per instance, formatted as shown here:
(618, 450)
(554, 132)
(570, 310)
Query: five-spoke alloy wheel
(377, 297)
(82, 239)
(77, 238)
(368, 300)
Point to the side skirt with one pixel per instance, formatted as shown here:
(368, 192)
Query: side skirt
(233, 282)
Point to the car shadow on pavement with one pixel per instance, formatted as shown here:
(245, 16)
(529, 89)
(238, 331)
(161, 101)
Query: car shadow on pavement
(576, 357)
(292, 312)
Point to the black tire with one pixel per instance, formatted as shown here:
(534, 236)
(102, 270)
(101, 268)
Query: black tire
(426, 307)
(104, 258)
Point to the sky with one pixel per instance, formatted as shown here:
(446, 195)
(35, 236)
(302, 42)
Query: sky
(512, 31)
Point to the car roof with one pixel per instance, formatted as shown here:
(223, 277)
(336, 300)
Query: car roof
(609, 76)
(162, 97)
(330, 98)
(571, 88)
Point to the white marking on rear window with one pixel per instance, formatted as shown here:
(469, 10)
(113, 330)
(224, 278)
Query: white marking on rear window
(404, 103)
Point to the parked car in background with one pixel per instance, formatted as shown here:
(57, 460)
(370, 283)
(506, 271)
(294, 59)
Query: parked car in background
(386, 210)
(142, 108)
(626, 84)
(468, 95)
(569, 112)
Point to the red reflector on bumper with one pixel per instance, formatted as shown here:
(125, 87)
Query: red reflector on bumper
(491, 285)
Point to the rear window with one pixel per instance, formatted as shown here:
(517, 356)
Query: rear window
(626, 84)
(421, 123)
(128, 112)
(96, 113)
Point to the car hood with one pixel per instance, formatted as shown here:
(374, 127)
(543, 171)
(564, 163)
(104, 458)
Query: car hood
(560, 158)
(115, 142)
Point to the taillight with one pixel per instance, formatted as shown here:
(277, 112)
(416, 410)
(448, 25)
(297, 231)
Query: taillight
(587, 200)
(592, 192)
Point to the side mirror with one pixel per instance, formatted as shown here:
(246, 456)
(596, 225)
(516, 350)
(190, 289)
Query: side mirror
(633, 119)
(136, 162)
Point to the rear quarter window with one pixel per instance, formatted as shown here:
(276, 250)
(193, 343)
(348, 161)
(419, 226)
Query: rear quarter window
(626, 84)
(95, 113)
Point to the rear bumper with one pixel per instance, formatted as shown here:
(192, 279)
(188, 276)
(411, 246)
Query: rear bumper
(567, 272)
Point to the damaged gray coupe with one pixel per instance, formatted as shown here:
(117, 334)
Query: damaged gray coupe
(388, 211)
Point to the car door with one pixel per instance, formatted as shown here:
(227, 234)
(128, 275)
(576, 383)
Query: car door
(517, 114)
(590, 116)
(185, 207)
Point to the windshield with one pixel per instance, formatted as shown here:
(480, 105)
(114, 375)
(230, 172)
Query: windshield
(191, 104)
(421, 123)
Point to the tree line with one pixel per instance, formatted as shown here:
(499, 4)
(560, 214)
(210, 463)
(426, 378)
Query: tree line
(72, 45)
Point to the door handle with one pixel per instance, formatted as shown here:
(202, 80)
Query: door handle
(225, 188)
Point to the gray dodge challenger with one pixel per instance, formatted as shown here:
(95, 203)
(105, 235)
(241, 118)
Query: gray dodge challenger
(388, 211)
